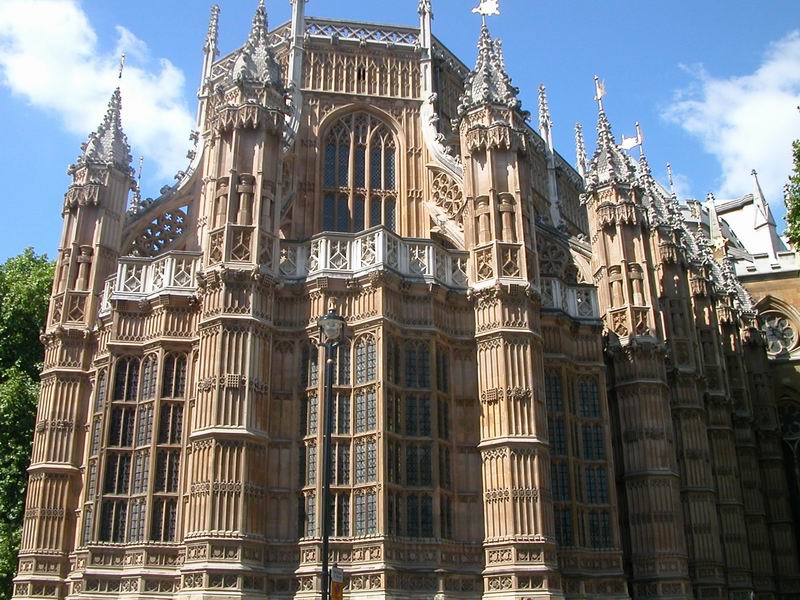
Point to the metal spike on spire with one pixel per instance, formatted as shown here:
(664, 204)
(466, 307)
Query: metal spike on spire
(121, 65)
(580, 150)
(108, 144)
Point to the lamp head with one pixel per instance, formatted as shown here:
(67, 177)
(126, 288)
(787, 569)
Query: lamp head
(331, 325)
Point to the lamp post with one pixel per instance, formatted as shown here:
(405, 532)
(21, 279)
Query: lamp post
(331, 328)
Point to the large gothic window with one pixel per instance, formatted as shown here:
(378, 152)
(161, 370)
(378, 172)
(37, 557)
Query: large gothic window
(359, 179)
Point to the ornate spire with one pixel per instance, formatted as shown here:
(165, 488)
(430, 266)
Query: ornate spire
(213, 31)
(609, 162)
(108, 145)
(256, 64)
(580, 150)
(763, 212)
(488, 82)
(425, 8)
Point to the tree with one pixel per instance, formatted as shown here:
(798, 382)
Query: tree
(25, 283)
(792, 199)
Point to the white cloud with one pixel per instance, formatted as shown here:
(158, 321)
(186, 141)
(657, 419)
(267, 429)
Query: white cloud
(50, 56)
(747, 122)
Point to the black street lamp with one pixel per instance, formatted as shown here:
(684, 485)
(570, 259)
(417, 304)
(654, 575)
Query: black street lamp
(331, 328)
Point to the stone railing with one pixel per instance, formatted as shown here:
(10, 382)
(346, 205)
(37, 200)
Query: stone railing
(137, 278)
(577, 301)
(350, 255)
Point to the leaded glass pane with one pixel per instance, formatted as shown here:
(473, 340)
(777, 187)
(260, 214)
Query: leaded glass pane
(342, 213)
(375, 164)
(558, 438)
(559, 481)
(358, 213)
(329, 213)
(360, 166)
(330, 164)
(388, 169)
(372, 461)
(552, 388)
(375, 211)
(390, 214)
(589, 400)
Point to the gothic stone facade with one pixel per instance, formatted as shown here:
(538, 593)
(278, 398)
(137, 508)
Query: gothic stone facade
(550, 387)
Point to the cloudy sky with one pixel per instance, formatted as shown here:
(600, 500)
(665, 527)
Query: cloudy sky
(715, 84)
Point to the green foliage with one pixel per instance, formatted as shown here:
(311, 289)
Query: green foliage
(25, 283)
(792, 199)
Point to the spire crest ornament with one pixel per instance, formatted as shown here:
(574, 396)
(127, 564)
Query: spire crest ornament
(108, 145)
(121, 65)
(609, 162)
(670, 180)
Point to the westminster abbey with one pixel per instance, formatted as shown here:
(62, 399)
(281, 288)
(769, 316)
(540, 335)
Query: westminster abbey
(554, 384)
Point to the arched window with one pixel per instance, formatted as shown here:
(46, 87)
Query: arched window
(174, 385)
(126, 379)
(149, 377)
(366, 359)
(359, 178)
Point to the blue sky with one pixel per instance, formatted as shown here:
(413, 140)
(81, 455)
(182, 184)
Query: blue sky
(713, 83)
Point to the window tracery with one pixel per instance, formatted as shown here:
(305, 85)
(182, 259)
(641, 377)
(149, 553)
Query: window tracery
(359, 175)
(779, 331)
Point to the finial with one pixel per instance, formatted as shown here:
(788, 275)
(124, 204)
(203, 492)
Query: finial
(763, 212)
(121, 65)
(580, 149)
(599, 92)
(256, 62)
(425, 7)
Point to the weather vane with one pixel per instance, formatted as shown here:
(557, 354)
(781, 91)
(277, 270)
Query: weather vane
(487, 8)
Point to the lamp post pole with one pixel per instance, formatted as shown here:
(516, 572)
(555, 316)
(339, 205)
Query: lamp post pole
(331, 331)
(330, 348)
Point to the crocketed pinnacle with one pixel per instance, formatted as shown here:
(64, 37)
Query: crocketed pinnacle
(545, 120)
(580, 149)
(213, 30)
(488, 82)
(256, 64)
(609, 162)
(108, 145)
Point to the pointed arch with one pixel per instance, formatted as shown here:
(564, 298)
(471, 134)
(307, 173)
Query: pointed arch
(360, 150)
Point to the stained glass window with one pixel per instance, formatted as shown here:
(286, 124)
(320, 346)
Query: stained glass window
(311, 465)
(144, 428)
(559, 481)
(558, 437)
(149, 377)
(102, 388)
(136, 530)
(366, 411)
(141, 472)
(343, 364)
(418, 374)
(366, 359)
(342, 414)
(372, 174)
(113, 518)
(164, 520)
(118, 473)
(589, 399)
(419, 515)
(174, 385)
(366, 513)
(563, 518)
(126, 379)
(167, 470)
(170, 425)
(596, 485)
(418, 415)
(552, 389)
(600, 529)
(593, 442)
